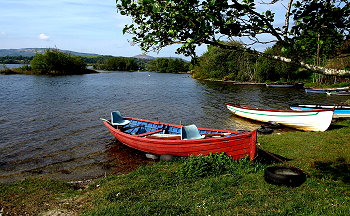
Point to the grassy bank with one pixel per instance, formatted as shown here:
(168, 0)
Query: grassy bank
(206, 185)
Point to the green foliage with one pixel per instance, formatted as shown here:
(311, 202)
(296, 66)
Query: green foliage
(323, 17)
(191, 22)
(54, 62)
(214, 165)
(168, 65)
(15, 60)
(119, 64)
(94, 59)
(309, 43)
(163, 65)
(194, 22)
(219, 63)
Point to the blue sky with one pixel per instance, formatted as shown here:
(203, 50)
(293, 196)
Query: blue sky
(79, 25)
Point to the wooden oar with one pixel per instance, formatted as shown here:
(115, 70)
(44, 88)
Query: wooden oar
(177, 136)
(165, 136)
(149, 133)
(216, 134)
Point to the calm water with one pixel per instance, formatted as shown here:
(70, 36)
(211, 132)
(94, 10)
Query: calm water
(49, 125)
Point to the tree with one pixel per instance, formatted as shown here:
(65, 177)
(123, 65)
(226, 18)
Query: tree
(157, 24)
(56, 62)
(218, 63)
(119, 64)
(168, 65)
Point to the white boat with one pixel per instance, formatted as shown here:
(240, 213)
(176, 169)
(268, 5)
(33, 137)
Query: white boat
(310, 120)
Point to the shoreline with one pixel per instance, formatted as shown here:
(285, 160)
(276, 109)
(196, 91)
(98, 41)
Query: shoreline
(165, 188)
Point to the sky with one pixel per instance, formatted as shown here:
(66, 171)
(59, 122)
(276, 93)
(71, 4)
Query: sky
(88, 26)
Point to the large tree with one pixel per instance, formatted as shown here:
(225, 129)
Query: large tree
(159, 23)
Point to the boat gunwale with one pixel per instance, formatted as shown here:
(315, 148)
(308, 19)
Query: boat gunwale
(269, 110)
(316, 106)
(234, 134)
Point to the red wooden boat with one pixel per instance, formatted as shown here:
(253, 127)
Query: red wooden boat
(168, 139)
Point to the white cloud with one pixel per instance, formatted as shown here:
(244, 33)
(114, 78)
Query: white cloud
(43, 36)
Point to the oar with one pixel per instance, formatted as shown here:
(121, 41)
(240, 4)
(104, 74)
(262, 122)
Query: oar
(102, 119)
(216, 134)
(150, 133)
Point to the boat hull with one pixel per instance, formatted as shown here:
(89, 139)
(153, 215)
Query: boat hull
(313, 120)
(339, 93)
(340, 111)
(329, 91)
(317, 91)
(285, 85)
(280, 86)
(238, 144)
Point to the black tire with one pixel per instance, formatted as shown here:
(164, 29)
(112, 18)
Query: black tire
(273, 125)
(281, 175)
(264, 130)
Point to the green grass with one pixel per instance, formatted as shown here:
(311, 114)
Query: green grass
(211, 185)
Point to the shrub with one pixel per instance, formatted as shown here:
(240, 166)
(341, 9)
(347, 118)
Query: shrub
(54, 62)
(215, 165)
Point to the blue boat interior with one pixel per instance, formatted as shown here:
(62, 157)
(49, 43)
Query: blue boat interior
(136, 127)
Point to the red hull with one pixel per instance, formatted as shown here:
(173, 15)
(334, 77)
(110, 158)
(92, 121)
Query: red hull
(237, 146)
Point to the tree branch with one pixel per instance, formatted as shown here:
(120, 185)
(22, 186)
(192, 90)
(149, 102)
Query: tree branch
(318, 69)
(262, 18)
(286, 25)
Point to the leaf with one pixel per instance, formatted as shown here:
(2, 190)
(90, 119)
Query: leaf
(284, 50)
(320, 42)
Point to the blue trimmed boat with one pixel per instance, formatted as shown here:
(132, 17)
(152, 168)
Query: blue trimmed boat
(340, 111)
(318, 91)
(329, 91)
(159, 138)
(309, 120)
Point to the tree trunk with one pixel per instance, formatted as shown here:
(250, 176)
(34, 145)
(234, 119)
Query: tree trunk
(317, 69)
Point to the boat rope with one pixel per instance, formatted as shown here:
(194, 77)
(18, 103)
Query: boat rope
(307, 173)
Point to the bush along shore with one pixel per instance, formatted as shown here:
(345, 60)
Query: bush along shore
(206, 185)
(52, 62)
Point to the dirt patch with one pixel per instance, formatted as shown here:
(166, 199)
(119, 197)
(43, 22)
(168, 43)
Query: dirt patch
(58, 212)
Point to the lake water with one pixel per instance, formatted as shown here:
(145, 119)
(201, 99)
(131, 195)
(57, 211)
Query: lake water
(49, 126)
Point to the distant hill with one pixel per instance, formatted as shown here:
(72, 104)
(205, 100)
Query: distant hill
(28, 52)
(144, 57)
(147, 57)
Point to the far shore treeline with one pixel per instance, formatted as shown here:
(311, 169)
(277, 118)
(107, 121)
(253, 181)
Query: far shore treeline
(56, 62)
(215, 64)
